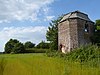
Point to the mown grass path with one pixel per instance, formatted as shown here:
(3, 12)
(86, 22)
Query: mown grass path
(39, 64)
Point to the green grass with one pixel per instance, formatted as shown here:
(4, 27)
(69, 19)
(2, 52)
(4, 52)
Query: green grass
(40, 64)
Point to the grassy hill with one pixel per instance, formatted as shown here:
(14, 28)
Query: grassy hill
(40, 64)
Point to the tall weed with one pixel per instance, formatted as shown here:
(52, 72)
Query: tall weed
(2, 65)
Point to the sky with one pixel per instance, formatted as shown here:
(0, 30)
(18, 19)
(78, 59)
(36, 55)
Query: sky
(28, 20)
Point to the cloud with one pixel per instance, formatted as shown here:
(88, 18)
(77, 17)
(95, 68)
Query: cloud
(34, 34)
(22, 9)
(49, 18)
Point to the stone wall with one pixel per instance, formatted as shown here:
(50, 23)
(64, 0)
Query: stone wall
(72, 34)
(63, 35)
(84, 36)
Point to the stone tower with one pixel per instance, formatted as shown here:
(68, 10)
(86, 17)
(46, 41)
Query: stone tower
(74, 30)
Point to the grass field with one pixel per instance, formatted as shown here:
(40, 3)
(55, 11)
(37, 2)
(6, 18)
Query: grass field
(39, 64)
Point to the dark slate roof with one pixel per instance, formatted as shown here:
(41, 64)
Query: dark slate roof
(76, 14)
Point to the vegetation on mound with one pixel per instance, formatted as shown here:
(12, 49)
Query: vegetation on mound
(84, 53)
(89, 54)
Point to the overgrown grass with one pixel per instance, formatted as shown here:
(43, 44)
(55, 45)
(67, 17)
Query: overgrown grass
(2, 65)
(40, 64)
(32, 64)
(89, 54)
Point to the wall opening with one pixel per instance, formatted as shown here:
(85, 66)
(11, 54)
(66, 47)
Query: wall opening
(86, 28)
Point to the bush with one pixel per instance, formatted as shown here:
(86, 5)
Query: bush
(50, 53)
(89, 54)
(54, 53)
(85, 53)
(35, 50)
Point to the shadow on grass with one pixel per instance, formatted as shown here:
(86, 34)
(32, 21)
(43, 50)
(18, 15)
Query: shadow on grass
(2, 65)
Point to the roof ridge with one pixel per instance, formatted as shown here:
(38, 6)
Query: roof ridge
(75, 14)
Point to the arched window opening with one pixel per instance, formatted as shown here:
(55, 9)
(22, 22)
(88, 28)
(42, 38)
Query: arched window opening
(86, 28)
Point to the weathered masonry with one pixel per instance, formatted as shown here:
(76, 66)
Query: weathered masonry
(74, 30)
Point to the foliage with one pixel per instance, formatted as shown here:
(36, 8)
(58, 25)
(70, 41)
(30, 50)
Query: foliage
(85, 54)
(52, 34)
(35, 50)
(98, 25)
(14, 46)
(54, 53)
(50, 53)
(18, 48)
(89, 55)
(29, 44)
(43, 45)
(96, 37)
(9, 45)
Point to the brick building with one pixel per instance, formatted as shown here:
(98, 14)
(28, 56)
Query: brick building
(74, 30)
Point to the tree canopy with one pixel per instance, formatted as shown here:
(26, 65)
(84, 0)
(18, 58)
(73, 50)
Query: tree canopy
(96, 36)
(14, 46)
(98, 25)
(52, 33)
(43, 45)
(29, 44)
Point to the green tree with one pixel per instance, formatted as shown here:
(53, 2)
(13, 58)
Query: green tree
(52, 34)
(10, 45)
(96, 36)
(18, 48)
(98, 25)
(43, 45)
(29, 44)
(14, 46)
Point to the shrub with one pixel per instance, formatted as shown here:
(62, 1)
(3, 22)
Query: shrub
(89, 54)
(54, 53)
(85, 53)
(35, 50)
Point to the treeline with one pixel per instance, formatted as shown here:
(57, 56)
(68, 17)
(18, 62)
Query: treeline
(15, 46)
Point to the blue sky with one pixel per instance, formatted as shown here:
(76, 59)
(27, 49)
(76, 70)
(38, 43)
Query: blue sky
(28, 20)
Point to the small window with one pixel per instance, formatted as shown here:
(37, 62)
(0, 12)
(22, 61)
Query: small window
(86, 28)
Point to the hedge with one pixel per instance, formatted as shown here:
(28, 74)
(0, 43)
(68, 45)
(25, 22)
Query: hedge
(35, 50)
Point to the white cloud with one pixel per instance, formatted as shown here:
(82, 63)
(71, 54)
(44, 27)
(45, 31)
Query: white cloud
(49, 18)
(22, 9)
(34, 34)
